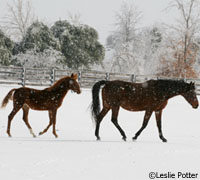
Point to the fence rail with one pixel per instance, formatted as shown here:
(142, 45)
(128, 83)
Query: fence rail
(45, 77)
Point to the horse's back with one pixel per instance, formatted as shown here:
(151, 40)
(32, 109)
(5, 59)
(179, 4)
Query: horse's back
(23, 92)
(131, 96)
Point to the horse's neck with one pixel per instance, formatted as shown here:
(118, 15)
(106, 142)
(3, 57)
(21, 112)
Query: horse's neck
(174, 92)
(62, 89)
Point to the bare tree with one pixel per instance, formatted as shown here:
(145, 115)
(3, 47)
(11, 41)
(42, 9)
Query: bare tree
(126, 21)
(123, 37)
(74, 18)
(19, 17)
(183, 35)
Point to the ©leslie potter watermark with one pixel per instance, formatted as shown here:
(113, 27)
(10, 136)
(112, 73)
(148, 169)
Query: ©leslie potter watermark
(171, 175)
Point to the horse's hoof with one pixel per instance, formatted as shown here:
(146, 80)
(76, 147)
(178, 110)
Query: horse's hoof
(134, 138)
(164, 140)
(98, 139)
(124, 138)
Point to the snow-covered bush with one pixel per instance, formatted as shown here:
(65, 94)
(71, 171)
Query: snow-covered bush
(38, 37)
(47, 59)
(79, 44)
(6, 47)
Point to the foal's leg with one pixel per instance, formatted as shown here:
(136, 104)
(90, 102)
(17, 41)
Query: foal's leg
(158, 121)
(101, 115)
(50, 123)
(25, 118)
(11, 116)
(115, 112)
(144, 125)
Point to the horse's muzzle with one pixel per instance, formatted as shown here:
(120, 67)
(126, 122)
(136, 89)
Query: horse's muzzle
(78, 92)
(195, 106)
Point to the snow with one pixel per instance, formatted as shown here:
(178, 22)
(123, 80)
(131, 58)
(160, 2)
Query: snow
(76, 154)
(35, 30)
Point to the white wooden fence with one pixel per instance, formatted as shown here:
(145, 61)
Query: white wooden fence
(45, 77)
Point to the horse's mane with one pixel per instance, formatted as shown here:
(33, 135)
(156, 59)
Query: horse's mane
(57, 83)
(178, 86)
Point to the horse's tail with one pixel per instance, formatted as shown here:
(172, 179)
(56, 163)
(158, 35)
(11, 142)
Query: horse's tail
(95, 107)
(7, 98)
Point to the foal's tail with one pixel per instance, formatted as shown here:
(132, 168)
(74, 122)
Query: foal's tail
(95, 107)
(7, 98)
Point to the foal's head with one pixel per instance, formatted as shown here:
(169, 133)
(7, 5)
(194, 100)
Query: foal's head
(190, 95)
(73, 84)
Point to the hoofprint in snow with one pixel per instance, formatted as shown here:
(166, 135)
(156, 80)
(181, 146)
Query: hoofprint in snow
(75, 154)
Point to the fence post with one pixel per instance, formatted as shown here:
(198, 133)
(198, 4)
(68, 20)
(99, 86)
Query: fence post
(79, 76)
(23, 76)
(52, 76)
(107, 76)
(133, 78)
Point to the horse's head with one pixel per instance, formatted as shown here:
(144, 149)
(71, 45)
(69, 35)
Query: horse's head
(190, 95)
(73, 84)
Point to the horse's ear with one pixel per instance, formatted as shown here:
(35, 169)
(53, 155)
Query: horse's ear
(192, 84)
(74, 76)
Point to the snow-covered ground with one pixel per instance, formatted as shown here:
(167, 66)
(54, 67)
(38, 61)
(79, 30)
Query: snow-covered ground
(76, 155)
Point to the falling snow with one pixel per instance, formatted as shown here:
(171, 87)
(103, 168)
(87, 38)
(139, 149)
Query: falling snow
(76, 154)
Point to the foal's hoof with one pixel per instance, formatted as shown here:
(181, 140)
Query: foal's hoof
(34, 136)
(56, 136)
(9, 135)
(40, 133)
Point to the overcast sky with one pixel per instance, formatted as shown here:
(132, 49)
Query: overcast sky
(98, 14)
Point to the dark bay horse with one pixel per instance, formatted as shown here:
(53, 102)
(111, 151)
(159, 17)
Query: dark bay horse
(49, 99)
(150, 96)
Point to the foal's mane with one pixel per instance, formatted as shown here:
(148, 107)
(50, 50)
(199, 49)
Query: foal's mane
(57, 83)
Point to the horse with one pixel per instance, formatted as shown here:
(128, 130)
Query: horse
(49, 99)
(150, 96)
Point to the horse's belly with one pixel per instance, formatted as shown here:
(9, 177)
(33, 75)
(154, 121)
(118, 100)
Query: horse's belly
(133, 106)
(38, 106)
(143, 105)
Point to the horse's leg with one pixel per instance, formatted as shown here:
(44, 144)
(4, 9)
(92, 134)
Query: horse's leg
(145, 122)
(10, 118)
(101, 115)
(114, 120)
(54, 112)
(25, 118)
(158, 121)
(50, 123)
